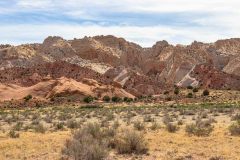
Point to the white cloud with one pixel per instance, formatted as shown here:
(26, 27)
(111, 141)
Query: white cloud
(30, 4)
(134, 6)
(220, 19)
(145, 36)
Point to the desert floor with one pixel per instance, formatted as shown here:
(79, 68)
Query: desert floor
(48, 141)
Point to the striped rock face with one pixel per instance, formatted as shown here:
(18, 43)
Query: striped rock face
(122, 64)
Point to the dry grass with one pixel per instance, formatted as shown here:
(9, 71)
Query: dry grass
(179, 145)
(161, 143)
(33, 146)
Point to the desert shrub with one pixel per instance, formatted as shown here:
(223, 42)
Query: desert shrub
(176, 91)
(35, 116)
(105, 123)
(148, 118)
(27, 98)
(189, 95)
(86, 144)
(167, 119)
(154, 126)
(168, 98)
(205, 92)
(110, 116)
(91, 106)
(116, 124)
(199, 128)
(88, 99)
(126, 99)
(59, 126)
(180, 122)
(166, 92)
(235, 117)
(13, 134)
(234, 129)
(130, 100)
(72, 124)
(108, 132)
(94, 129)
(171, 127)
(40, 128)
(216, 158)
(106, 98)
(18, 126)
(139, 125)
(28, 127)
(38, 105)
(48, 119)
(131, 141)
(116, 99)
(35, 121)
(189, 87)
(195, 89)
(203, 115)
(52, 99)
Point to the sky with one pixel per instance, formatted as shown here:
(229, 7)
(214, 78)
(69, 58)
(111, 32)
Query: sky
(141, 21)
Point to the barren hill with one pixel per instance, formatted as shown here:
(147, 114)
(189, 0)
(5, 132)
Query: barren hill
(121, 64)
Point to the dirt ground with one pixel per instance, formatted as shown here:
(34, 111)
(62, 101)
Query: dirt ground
(162, 144)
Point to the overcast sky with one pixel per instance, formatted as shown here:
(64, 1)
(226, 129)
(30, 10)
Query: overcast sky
(140, 21)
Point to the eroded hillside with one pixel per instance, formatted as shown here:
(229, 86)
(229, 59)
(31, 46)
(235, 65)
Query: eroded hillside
(122, 64)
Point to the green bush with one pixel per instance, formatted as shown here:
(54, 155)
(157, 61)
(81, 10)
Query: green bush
(116, 99)
(205, 92)
(168, 98)
(126, 99)
(176, 91)
(195, 90)
(106, 98)
(189, 95)
(189, 87)
(88, 99)
(27, 98)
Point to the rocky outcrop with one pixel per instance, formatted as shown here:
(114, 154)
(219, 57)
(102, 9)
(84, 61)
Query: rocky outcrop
(61, 87)
(124, 65)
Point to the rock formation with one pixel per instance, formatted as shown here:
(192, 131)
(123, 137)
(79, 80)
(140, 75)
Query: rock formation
(123, 65)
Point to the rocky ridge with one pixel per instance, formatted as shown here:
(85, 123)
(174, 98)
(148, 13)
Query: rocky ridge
(122, 64)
